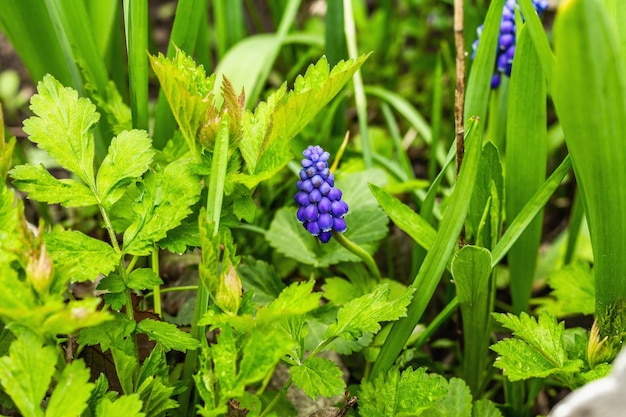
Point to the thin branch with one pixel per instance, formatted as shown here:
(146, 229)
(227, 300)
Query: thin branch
(459, 96)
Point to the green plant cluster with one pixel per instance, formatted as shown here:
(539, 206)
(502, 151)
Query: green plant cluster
(451, 293)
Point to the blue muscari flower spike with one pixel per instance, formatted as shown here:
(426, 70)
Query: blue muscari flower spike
(320, 209)
(506, 40)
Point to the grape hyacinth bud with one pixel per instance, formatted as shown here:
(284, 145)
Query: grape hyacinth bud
(320, 209)
(506, 40)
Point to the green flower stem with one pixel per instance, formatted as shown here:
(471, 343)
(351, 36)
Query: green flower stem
(358, 251)
(215, 196)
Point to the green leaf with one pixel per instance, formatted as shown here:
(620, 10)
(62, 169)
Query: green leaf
(126, 405)
(224, 354)
(72, 391)
(574, 289)
(167, 335)
(126, 363)
(265, 151)
(108, 333)
(62, 126)
(130, 154)
(41, 186)
(143, 278)
(471, 269)
(588, 75)
(537, 350)
(406, 394)
(367, 225)
(458, 400)
(165, 200)
(438, 256)
(481, 71)
(365, 313)
(296, 299)
(526, 160)
(155, 395)
(80, 256)
(318, 376)
(260, 277)
(339, 291)
(405, 218)
(26, 373)
(488, 195)
(264, 349)
(187, 90)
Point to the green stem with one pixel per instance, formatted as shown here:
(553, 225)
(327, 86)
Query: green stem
(359, 92)
(157, 288)
(275, 399)
(358, 251)
(109, 226)
(215, 196)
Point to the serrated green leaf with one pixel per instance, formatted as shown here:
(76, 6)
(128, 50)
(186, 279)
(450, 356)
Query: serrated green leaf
(75, 315)
(155, 365)
(155, 395)
(339, 291)
(365, 313)
(11, 224)
(62, 126)
(265, 152)
(143, 278)
(536, 351)
(187, 89)
(367, 225)
(107, 333)
(79, 256)
(129, 156)
(26, 373)
(296, 299)
(264, 349)
(255, 125)
(126, 363)
(458, 400)
(520, 361)
(574, 289)
(126, 405)
(113, 283)
(71, 392)
(164, 201)
(41, 186)
(167, 335)
(224, 354)
(395, 395)
(318, 376)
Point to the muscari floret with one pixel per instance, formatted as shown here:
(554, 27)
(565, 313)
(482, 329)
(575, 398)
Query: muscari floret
(320, 209)
(506, 40)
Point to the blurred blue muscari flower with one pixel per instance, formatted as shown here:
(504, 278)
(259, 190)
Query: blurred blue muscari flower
(320, 209)
(506, 40)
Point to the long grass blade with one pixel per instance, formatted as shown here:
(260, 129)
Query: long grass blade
(590, 96)
(526, 158)
(437, 258)
(136, 18)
